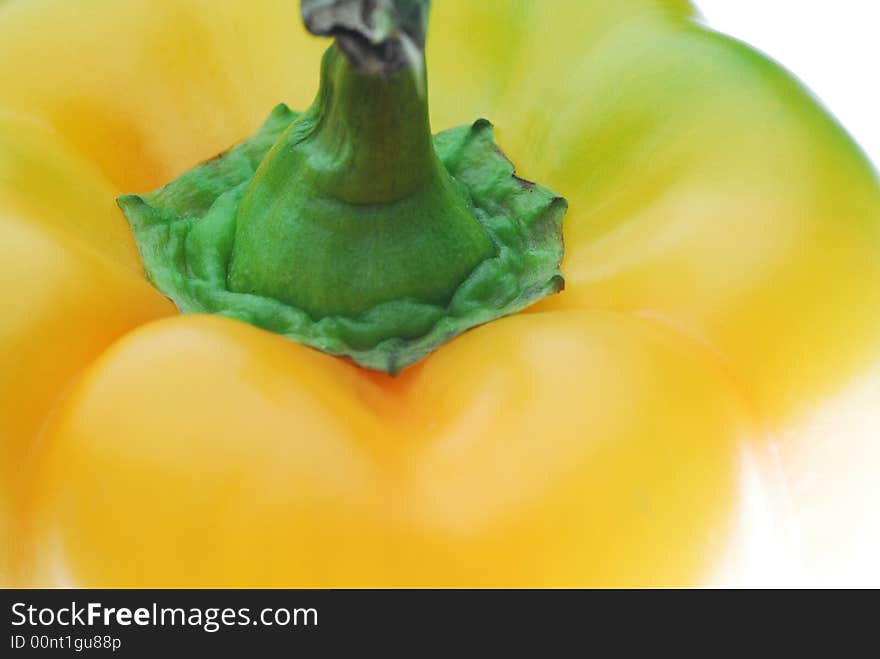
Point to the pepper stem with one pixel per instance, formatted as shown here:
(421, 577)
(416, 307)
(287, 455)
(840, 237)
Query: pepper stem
(352, 208)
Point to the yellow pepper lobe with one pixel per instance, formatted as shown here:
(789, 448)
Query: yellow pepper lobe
(335, 477)
(349, 227)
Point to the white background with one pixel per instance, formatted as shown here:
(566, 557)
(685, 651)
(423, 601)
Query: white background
(833, 46)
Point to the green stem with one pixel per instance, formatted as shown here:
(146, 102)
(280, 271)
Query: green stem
(375, 134)
(352, 207)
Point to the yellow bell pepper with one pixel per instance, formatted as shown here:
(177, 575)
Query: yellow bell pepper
(722, 267)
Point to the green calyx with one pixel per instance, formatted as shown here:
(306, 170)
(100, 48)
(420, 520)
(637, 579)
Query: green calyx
(348, 227)
(352, 207)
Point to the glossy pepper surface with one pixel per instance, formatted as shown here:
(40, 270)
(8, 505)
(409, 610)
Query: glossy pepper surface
(722, 270)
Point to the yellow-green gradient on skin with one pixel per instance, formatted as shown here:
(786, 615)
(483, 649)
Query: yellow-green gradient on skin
(707, 188)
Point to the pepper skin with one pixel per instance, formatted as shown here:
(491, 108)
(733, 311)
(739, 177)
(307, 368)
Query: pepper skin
(723, 280)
